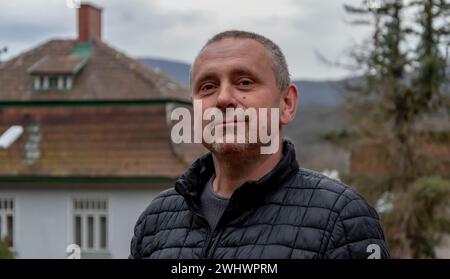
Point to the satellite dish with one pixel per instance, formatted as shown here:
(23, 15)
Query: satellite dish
(10, 136)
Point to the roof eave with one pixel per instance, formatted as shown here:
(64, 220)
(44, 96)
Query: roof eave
(89, 103)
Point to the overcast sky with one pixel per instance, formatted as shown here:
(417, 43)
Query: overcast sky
(176, 29)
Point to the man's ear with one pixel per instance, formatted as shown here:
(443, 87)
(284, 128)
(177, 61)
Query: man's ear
(288, 104)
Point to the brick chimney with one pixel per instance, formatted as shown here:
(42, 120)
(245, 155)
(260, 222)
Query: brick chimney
(89, 22)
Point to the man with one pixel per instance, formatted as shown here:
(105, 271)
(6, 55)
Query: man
(236, 202)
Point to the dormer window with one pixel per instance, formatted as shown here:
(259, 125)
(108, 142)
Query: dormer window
(53, 82)
(56, 72)
(60, 83)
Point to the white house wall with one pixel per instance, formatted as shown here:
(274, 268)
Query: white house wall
(43, 219)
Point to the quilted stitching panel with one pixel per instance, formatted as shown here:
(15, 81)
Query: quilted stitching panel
(311, 216)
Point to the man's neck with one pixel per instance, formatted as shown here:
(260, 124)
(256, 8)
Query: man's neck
(233, 170)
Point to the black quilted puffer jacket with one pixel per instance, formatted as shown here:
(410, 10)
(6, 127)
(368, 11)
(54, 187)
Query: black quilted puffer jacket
(290, 213)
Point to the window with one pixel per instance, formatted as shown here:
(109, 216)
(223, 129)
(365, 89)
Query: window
(59, 82)
(68, 83)
(53, 82)
(7, 221)
(90, 224)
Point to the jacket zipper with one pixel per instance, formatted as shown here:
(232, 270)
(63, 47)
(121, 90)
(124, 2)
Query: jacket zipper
(209, 236)
(211, 241)
(207, 243)
(214, 245)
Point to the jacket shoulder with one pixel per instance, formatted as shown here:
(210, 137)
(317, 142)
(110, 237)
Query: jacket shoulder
(167, 201)
(355, 224)
(332, 193)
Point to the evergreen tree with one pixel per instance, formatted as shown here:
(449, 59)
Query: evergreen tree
(402, 83)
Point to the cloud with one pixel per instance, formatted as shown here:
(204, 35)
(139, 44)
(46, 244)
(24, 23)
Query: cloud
(176, 29)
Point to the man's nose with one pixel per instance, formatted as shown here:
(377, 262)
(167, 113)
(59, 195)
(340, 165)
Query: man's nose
(226, 97)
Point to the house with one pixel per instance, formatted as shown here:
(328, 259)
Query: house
(95, 147)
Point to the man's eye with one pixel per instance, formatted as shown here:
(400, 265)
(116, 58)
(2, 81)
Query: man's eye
(245, 82)
(207, 87)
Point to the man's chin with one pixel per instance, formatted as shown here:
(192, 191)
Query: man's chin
(230, 148)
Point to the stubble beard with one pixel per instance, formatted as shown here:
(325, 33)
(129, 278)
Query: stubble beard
(234, 149)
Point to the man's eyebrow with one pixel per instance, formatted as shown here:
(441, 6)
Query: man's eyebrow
(244, 71)
(234, 72)
(204, 76)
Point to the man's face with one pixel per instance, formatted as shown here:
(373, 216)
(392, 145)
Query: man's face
(234, 73)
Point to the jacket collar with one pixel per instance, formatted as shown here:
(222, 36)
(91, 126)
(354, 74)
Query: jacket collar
(191, 183)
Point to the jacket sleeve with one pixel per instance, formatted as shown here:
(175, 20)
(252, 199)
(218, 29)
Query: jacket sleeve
(136, 241)
(357, 233)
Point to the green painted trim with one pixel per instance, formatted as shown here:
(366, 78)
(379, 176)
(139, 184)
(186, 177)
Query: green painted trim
(80, 66)
(88, 179)
(89, 103)
(82, 49)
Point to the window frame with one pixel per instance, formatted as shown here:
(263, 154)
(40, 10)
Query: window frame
(96, 213)
(53, 82)
(5, 214)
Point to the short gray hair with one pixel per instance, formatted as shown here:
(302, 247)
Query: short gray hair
(279, 65)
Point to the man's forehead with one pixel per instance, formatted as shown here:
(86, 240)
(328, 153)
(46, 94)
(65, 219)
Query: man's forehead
(230, 49)
(232, 46)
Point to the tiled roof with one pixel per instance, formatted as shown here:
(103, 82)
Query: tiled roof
(109, 75)
(119, 141)
(57, 64)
